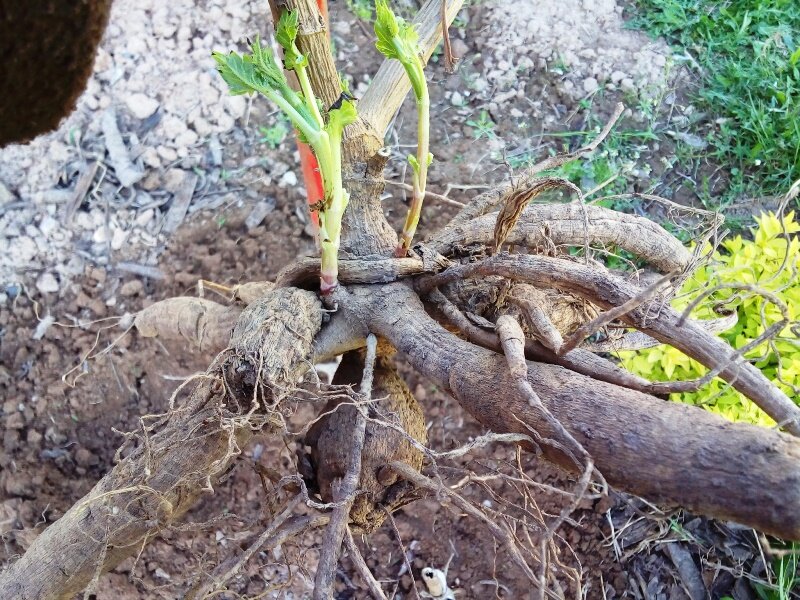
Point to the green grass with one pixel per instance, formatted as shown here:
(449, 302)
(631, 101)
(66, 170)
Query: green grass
(363, 9)
(482, 126)
(786, 582)
(273, 135)
(748, 52)
(617, 162)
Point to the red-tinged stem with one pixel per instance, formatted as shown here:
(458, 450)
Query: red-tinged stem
(308, 162)
(313, 182)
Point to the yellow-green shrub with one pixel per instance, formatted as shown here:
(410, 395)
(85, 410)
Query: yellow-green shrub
(771, 261)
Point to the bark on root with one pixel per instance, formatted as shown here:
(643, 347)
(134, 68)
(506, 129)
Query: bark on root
(666, 452)
(177, 462)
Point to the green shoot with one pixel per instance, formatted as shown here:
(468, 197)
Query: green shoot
(293, 60)
(259, 72)
(398, 40)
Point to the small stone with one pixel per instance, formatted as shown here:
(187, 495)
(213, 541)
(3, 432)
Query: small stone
(617, 76)
(225, 123)
(15, 421)
(153, 179)
(187, 138)
(167, 153)
(172, 127)
(47, 283)
(85, 458)
(173, 179)
(150, 158)
(5, 194)
(288, 179)
(590, 85)
(459, 48)
(24, 249)
(457, 99)
(131, 288)
(98, 274)
(118, 238)
(341, 28)
(48, 225)
(627, 85)
(260, 210)
(100, 235)
(141, 106)
(144, 218)
(235, 105)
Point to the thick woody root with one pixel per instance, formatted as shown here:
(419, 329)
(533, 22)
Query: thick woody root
(549, 226)
(661, 323)
(392, 401)
(343, 489)
(180, 457)
(666, 452)
(205, 324)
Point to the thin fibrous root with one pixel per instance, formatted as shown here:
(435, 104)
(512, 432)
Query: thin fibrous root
(361, 567)
(499, 531)
(579, 360)
(274, 535)
(612, 314)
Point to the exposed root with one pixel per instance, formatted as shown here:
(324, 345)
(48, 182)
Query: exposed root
(203, 323)
(571, 225)
(305, 271)
(518, 199)
(274, 535)
(664, 324)
(499, 531)
(182, 455)
(344, 490)
(361, 567)
(612, 314)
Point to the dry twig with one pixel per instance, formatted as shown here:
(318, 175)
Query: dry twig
(344, 494)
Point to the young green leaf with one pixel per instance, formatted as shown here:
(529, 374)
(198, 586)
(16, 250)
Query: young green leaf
(238, 72)
(286, 34)
(340, 117)
(255, 72)
(396, 38)
(267, 66)
(399, 40)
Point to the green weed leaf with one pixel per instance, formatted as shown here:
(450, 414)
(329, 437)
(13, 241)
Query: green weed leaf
(769, 261)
